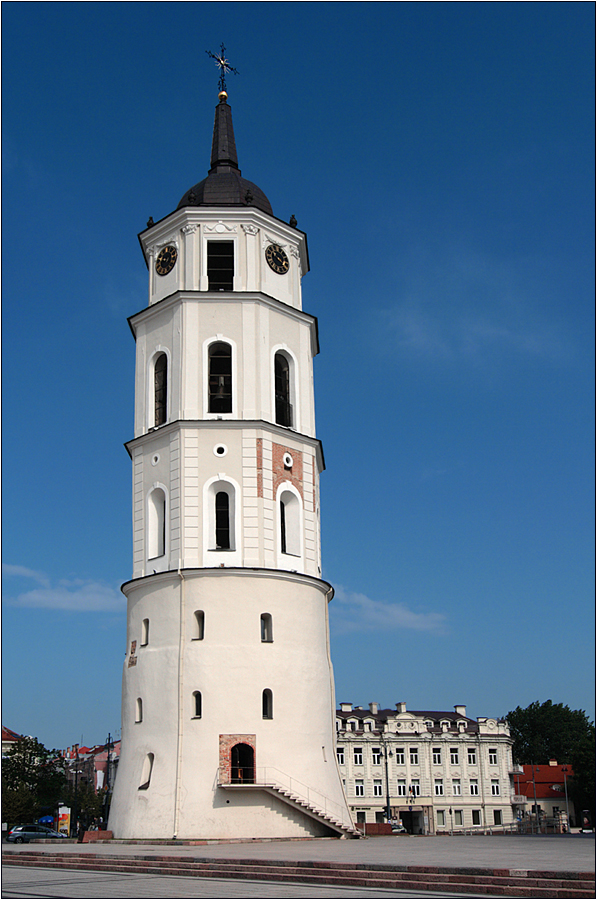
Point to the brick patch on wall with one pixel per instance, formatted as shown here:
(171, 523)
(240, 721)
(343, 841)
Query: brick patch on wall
(294, 475)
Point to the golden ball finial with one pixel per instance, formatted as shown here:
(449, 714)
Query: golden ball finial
(222, 96)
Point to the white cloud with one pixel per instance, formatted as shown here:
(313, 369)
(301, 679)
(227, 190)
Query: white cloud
(75, 595)
(357, 612)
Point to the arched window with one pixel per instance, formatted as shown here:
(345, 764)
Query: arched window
(160, 389)
(267, 632)
(220, 378)
(198, 625)
(145, 633)
(222, 521)
(290, 536)
(146, 773)
(156, 525)
(267, 704)
(242, 764)
(196, 704)
(282, 390)
(139, 710)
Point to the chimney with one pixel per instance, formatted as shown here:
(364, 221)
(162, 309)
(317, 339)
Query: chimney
(553, 762)
(374, 707)
(460, 710)
(401, 707)
(346, 707)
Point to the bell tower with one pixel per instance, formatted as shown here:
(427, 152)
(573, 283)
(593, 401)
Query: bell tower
(228, 702)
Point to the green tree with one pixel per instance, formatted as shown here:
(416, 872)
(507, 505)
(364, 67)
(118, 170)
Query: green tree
(545, 731)
(32, 781)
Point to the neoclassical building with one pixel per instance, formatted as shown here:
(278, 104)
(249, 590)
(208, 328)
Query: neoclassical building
(433, 770)
(228, 697)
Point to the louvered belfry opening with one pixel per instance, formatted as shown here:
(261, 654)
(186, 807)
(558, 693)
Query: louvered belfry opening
(282, 387)
(220, 378)
(220, 265)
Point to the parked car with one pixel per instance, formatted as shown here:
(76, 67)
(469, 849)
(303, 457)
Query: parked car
(22, 834)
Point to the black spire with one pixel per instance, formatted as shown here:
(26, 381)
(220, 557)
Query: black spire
(223, 146)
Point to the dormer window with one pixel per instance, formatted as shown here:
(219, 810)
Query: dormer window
(220, 265)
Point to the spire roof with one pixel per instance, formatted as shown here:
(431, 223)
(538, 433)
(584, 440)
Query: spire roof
(224, 185)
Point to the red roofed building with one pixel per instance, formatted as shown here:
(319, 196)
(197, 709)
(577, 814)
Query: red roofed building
(547, 787)
(9, 738)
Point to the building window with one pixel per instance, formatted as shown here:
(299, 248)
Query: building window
(350, 726)
(220, 378)
(472, 756)
(367, 726)
(414, 756)
(474, 787)
(198, 625)
(358, 756)
(145, 633)
(454, 756)
(146, 772)
(376, 756)
(160, 389)
(156, 524)
(441, 818)
(439, 787)
(476, 816)
(377, 788)
(340, 755)
(220, 265)
(361, 816)
(267, 703)
(456, 788)
(267, 632)
(437, 756)
(222, 521)
(290, 537)
(497, 817)
(401, 787)
(400, 756)
(495, 787)
(379, 818)
(359, 788)
(493, 758)
(196, 704)
(139, 710)
(458, 817)
(282, 376)
(415, 787)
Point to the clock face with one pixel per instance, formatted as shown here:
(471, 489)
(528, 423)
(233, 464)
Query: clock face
(277, 259)
(166, 260)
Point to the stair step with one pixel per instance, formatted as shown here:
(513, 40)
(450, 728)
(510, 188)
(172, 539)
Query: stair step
(536, 885)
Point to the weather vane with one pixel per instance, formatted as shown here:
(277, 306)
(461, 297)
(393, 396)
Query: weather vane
(223, 65)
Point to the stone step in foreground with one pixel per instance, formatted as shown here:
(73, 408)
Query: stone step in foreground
(489, 882)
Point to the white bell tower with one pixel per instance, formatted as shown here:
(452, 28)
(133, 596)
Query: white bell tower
(228, 709)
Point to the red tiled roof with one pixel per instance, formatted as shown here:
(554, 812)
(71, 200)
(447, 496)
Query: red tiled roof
(8, 735)
(548, 782)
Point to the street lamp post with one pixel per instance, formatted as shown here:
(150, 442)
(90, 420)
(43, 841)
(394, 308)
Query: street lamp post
(73, 827)
(535, 796)
(387, 753)
(565, 771)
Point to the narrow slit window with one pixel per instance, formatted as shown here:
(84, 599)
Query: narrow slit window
(160, 387)
(283, 526)
(220, 378)
(139, 710)
(290, 539)
(267, 704)
(199, 625)
(282, 389)
(222, 521)
(220, 265)
(197, 705)
(267, 633)
(145, 633)
(146, 773)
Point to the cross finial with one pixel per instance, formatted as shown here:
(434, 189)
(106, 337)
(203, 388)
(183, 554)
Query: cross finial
(224, 67)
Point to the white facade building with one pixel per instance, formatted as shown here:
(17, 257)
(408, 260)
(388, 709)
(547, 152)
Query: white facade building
(435, 771)
(228, 642)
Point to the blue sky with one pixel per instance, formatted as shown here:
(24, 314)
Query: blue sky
(440, 158)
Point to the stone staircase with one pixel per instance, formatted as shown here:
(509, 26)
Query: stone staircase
(475, 882)
(298, 796)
